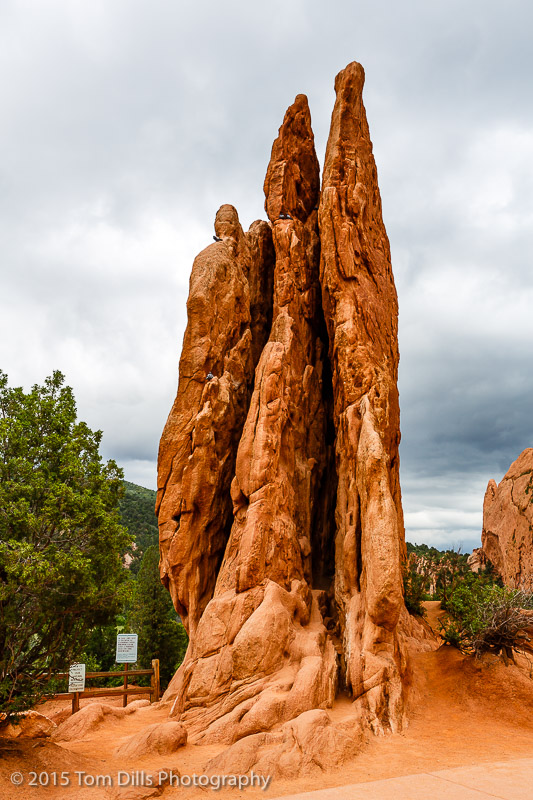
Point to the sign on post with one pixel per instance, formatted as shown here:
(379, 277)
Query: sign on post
(76, 678)
(126, 648)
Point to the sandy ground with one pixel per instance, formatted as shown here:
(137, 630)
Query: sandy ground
(462, 713)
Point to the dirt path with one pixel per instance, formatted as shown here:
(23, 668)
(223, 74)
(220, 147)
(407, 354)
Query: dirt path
(462, 713)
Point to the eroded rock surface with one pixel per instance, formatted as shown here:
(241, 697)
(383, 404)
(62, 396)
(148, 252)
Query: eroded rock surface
(261, 653)
(160, 738)
(361, 310)
(308, 744)
(30, 724)
(230, 280)
(86, 720)
(280, 512)
(507, 536)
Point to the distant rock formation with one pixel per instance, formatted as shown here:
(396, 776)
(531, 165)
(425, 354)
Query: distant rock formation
(507, 536)
(281, 526)
(477, 560)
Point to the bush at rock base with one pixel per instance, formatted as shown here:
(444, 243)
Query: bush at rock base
(486, 618)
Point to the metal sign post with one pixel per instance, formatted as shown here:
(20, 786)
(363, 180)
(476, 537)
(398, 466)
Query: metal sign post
(126, 648)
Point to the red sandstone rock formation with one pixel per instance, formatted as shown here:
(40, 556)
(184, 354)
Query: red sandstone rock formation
(507, 536)
(290, 583)
(361, 310)
(230, 281)
(261, 654)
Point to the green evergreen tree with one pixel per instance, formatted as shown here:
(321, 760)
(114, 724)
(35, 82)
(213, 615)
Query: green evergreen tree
(61, 541)
(153, 618)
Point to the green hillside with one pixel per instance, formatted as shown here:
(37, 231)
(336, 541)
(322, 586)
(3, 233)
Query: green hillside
(138, 516)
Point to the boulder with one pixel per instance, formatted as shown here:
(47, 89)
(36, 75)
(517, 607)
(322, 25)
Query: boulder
(307, 745)
(477, 560)
(28, 724)
(157, 739)
(87, 720)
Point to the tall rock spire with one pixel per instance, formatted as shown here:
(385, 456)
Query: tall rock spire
(361, 310)
(280, 511)
(199, 443)
(261, 654)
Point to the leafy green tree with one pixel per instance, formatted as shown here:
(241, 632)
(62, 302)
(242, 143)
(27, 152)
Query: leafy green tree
(153, 618)
(61, 541)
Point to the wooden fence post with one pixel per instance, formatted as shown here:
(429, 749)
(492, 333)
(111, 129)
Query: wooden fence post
(154, 694)
(125, 698)
(75, 702)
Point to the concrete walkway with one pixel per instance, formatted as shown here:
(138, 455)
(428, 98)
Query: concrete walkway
(507, 780)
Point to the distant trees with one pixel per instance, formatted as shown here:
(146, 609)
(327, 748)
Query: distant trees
(482, 615)
(430, 574)
(137, 513)
(415, 589)
(61, 541)
(153, 618)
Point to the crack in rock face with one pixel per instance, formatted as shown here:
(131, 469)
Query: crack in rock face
(507, 537)
(279, 504)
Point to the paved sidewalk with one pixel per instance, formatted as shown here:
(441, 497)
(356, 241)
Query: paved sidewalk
(507, 780)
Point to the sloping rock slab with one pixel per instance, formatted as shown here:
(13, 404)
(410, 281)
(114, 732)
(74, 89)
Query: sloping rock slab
(308, 744)
(30, 724)
(160, 738)
(86, 720)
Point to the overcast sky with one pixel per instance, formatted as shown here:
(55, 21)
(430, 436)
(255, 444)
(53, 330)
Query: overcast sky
(126, 124)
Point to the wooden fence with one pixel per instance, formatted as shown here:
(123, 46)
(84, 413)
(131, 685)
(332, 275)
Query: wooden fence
(116, 691)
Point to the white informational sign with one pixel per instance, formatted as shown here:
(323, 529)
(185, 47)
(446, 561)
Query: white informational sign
(76, 678)
(126, 648)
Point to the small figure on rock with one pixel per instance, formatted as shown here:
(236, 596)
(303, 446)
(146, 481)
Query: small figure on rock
(288, 216)
(217, 238)
(209, 376)
(282, 216)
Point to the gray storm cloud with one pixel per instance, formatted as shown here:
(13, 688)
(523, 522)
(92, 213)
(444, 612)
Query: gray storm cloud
(125, 125)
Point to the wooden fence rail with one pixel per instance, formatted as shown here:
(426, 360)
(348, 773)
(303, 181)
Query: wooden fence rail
(115, 691)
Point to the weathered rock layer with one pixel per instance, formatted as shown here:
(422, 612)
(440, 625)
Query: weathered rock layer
(507, 536)
(279, 502)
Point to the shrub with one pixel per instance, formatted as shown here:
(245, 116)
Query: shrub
(487, 618)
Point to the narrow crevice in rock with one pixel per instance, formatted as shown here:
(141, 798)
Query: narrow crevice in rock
(324, 527)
